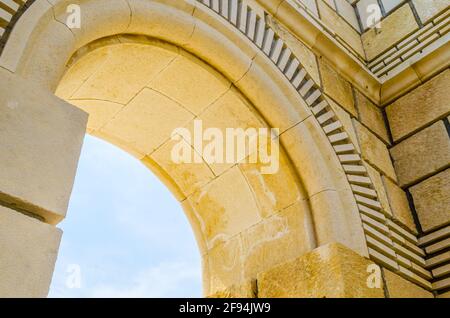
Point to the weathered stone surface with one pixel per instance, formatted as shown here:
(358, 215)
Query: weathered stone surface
(371, 116)
(422, 154)
(341, 27)
(337, 87)
(393, 28)
(248, 289)
(420, 107)
(428, 9)
(41, 139)
(28, 254)
(195, 95)
(190, 177)
(225, 206)
(284, 235)
(346, 121)
(132, 123)
(304, 54)
(273, 192)
(399, 204)
(328, 271)
(432, 200)
(398, 287)
(374, 150)
(377, 182)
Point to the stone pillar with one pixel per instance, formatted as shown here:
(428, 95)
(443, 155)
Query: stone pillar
(40, 143)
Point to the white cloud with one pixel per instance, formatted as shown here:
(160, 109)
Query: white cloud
(174, 279)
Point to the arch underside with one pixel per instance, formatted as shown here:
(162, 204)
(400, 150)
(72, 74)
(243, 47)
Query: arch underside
(228, 67)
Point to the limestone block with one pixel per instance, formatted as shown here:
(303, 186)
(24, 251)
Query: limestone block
(28, 254)
(248, 289)
(100, 111)
(176, 81)
(23, 32)
(341, 27)
(46, 54)
(329, 271)
(279, 104)
(190, 177)
(336, 86)
(346, 121)
(347, 11)
(421, 155)
(225, 207)
(273, 192)
(420, 107)
(394, 27)
(371, 116)
(96, 18)
(377, 182)
(398, 287)
(80, 71)
(335, 213)
(231, 110)
(133, 122)
(432, 200)
(399, 204)
(124, 69)
(225, 265)
(41, 139)
(374, 150)
(332, 225)
(283, 236)
(306, 57)
(428, 9)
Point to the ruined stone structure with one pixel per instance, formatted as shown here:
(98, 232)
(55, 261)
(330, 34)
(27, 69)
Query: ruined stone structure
(363, 115)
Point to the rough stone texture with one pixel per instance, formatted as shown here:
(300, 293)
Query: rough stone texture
(428, 9)
(418, 157)
(341, 27)
(233, 203)
(41, 139)
(432, 200)
(399, 204)
(247, 289)
(377, 182)
(337, 87)
(346, 120)
(374, 150)
(285, 235)
(399, 287)
(393, 28)
(371, 116)
(328, 271)
(420, 107)
(445, 295)
(28, 254)
(303, 54)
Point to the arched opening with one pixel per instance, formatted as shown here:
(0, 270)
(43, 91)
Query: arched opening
(245, 222)
(125, 234)
(137, 91)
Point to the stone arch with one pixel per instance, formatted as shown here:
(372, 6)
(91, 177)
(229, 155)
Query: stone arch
(263, 69)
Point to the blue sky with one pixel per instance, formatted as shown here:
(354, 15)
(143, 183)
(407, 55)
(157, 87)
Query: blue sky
(125, 232)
